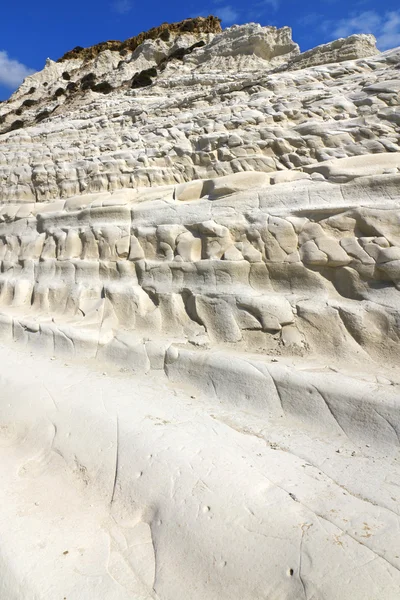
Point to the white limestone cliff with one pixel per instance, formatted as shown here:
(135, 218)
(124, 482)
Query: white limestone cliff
(200, 248)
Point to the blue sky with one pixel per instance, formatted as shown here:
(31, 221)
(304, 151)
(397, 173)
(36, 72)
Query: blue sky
(32, 31)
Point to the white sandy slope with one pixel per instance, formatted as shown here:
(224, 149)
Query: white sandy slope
(120, 486)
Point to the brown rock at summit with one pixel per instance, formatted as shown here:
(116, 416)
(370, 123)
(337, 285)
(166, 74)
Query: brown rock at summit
(208, 24)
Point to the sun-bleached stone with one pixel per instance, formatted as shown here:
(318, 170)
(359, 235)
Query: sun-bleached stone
(199, 316)
(350, 48)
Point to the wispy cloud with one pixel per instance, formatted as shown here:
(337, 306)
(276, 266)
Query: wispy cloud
(385, 27)
(231, 14)
(122, 7)
(309, 19)
(228, 14)
(12, 72)
(269, 3)
(389, 36)
(263, 9)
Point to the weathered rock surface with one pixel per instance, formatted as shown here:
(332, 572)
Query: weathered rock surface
(213, 221)
(350, 48)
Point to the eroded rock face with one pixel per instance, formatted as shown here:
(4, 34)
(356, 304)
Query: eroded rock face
(213, 220)
(252, 41)
(350, 48)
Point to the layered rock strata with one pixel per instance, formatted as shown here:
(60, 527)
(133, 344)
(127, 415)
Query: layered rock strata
(217, 214)
(350, 48)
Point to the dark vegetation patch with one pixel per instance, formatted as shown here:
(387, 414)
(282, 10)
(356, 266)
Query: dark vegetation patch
(180, 53)
(143, 78)
(103, 87)
(18, 124)
(165, 35)
(29, 102)
(88, 81)
(42, 115)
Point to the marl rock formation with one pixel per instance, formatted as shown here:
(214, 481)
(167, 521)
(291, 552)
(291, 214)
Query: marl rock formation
(214, 218)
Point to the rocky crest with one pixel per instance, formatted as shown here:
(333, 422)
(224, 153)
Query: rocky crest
(197, 43)
(163, 32)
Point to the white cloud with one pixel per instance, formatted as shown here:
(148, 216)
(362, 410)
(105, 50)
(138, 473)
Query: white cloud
(122, 7)
(273, 3)
(309, 19)
(263, 7)
(228, 14)
(12, 72)
(389, 36)
(385, 27)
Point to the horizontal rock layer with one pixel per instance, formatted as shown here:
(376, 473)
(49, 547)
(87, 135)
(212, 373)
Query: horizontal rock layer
(268, 280)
